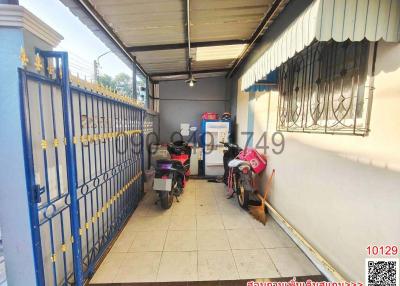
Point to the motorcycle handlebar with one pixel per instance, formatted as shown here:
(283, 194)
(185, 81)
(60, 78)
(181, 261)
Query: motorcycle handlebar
(228, 145)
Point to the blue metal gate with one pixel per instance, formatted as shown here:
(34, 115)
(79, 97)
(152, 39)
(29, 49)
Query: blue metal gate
(83, 148)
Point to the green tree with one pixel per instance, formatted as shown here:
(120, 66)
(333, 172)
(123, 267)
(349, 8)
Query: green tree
(123, 84)
(107, 81)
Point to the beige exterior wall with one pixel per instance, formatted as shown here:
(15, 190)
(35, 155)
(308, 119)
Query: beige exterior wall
(341, 192)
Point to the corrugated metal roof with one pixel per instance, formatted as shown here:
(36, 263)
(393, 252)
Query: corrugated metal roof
(139, 22)
(226, 19)
(163, 61)
(160, 22)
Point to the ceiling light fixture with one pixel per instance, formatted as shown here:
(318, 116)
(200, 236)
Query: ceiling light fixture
(191, 80)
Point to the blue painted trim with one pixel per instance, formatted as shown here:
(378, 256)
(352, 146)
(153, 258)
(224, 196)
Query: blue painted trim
(250, 118)
(30, 180)
(53, 116)
(142, 139)
(46, 177)
(71, 171)
(203, 137)
(269, 83)
(123, 208)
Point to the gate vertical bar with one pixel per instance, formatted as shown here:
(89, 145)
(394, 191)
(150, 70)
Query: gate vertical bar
(71, 170)
(142, 116)
(33, 193)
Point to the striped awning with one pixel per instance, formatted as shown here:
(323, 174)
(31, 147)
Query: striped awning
(324, 20)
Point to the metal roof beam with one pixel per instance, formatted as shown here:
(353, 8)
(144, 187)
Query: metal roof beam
(134, 49)
(187, 72)
(187, 38)
(257, 34)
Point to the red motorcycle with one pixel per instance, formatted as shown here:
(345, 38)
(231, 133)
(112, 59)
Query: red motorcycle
(240, 166)
(171, 174)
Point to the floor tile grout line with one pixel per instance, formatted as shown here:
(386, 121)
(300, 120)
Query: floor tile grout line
(236, 264)
(133, 240)
(159, 264)
(119, 268)
(230, 246)
(197, 258)
(270, 257)
(162, 253)
(234, 260)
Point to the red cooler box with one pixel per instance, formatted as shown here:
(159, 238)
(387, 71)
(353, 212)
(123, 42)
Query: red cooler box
(257, 162)
(209, 116)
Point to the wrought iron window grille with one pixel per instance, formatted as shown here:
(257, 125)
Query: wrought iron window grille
(324, 89)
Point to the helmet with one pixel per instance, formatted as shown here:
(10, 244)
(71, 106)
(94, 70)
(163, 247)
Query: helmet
(179, 147)
(226, 116)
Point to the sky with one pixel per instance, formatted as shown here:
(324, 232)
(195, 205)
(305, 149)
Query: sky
(81, 44)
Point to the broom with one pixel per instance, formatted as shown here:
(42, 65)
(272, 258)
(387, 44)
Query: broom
(258, 212)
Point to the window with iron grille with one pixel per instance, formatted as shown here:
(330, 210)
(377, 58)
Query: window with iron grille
(324, 89)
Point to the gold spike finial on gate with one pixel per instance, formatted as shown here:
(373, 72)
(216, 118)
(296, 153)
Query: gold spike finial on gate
(97, 87)
(23, 57)
(110, 92)
(50, 68)
(72, 79)
(38, 63)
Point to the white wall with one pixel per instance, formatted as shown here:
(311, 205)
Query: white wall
(342, 192)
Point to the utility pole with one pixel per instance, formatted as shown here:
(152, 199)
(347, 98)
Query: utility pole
(96, 66)
(96, 71)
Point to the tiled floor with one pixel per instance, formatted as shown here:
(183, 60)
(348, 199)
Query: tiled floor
(204, 237)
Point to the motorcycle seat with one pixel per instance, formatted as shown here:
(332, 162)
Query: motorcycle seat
(237, 163)
(176, 164)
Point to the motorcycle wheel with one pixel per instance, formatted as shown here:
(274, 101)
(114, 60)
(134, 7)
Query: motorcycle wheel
(166, 199)
(179, 186)
(243, 193)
